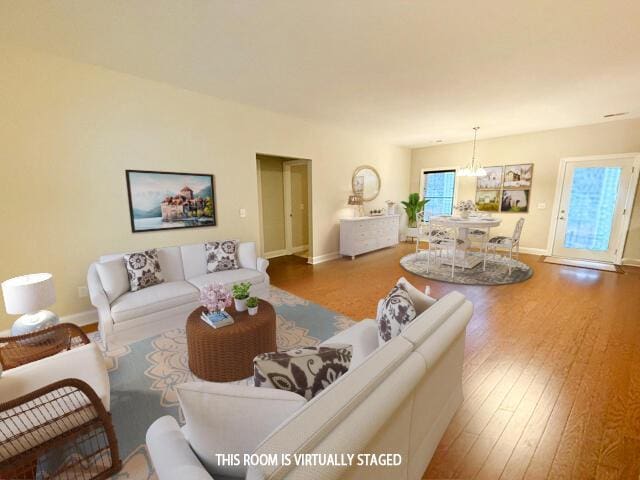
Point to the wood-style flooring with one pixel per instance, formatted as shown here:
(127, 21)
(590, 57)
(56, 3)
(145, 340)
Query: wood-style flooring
(552, 365)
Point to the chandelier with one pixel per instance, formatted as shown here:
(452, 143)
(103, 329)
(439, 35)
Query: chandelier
(473, 169)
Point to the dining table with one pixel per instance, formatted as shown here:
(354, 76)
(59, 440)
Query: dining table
(464, 256)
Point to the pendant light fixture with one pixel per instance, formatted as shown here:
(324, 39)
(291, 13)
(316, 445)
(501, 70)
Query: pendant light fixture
(473, 169)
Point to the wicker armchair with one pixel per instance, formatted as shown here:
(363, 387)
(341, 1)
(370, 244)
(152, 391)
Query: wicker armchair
(23, 349)
(60, 429)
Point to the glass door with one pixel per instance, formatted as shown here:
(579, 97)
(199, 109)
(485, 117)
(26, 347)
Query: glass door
(592, 208)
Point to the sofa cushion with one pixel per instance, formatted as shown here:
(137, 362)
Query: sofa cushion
(363, 338)
(194, 260)
(397, 312)
(305, 370)
(153, 299)
(228, 277)
(113, 277)
(171, 264)
(143, 269)
(247, 257)
(231, 419)
(221, 256)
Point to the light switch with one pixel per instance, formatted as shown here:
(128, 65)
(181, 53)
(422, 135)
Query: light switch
(542, 206)
(243, 213)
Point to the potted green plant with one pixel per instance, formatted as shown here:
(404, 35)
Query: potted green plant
(240, 293)
(413, 207)
(252, 305)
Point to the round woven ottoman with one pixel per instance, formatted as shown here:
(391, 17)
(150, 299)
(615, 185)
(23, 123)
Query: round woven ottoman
(226, 354)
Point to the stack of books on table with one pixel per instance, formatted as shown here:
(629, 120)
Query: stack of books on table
(217, 319)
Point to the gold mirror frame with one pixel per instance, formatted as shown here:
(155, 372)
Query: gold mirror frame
(356, 173)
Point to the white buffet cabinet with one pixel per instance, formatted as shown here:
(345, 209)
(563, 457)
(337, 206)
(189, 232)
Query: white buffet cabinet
(364, 234)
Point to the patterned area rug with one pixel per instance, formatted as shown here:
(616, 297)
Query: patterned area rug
(496, 273)
(144, 374)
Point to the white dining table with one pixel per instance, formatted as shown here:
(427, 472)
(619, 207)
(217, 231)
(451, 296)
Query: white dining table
(463, 225)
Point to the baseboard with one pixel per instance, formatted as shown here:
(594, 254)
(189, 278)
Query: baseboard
(81, 319)
(275, 253)
(299, 249)
(324, 258)
(634, 262)
(534, 251)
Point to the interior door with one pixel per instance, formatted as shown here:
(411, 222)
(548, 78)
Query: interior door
(592, 207)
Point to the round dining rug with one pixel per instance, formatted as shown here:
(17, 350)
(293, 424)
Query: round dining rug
(496, 273)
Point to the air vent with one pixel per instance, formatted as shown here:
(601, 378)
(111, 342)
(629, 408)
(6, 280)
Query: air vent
(619, 114)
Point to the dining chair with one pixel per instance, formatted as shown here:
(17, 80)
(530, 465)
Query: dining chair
(423, 231)
(511, 243)
(442, 238)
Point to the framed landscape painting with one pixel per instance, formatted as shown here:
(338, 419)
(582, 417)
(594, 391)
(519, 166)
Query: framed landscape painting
(515, 201)
(518, 176)
(488, 200)
(169, 200)
(493, 179)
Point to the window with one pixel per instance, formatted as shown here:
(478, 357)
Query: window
(439, 186)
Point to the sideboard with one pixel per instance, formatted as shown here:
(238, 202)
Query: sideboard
(364, 234)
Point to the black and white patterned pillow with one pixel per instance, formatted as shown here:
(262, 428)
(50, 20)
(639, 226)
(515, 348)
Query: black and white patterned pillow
(143, 269)
(397, 312)
(305, 371)
(221, 255)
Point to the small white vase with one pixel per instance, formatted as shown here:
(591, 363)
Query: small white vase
(253, 310)
(241, 305)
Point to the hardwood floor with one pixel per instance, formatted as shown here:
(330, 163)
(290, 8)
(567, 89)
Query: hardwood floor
(552, 366)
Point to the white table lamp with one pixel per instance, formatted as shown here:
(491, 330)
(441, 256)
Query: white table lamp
(28, 295)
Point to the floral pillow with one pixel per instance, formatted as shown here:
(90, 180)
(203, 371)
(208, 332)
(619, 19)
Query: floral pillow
(305, 371)
(396, 313)
(221, 255)
(143, 269)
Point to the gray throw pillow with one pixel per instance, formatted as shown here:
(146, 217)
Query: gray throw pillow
(221, 255)
(143, 269)
(305, 371)
(397, 312)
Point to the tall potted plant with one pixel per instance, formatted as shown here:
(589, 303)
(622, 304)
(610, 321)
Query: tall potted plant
(413, 207)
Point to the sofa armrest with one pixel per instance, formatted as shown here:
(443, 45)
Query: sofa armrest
(99, 299)
(363, 337)
(171, 454)
(262, 264)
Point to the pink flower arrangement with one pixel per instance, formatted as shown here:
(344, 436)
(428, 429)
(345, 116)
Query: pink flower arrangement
(215, 297)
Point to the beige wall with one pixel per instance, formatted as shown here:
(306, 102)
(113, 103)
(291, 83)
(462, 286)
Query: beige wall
(272, 190)
(544, 150)
(299, 206)
(69, 130)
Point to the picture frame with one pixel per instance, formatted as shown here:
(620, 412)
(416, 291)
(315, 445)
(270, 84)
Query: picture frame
(488, 200)
(170, 200)
(493, 179)
(515, 201)
(518, 176)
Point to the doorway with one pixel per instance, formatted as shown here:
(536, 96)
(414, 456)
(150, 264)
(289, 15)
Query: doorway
(593, 208)
(284, 188)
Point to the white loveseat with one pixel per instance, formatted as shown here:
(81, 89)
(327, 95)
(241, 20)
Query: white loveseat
(396, 398)
(135, 315)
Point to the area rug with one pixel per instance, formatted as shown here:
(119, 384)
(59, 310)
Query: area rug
(496, 273)
(144, 374)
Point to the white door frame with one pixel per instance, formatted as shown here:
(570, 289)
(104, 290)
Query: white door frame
(628, 202)
(288, 208)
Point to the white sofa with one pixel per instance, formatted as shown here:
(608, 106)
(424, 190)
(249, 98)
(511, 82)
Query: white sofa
(135, 315)
(395, 398)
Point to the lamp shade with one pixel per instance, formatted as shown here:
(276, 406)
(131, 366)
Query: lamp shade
(28, 293)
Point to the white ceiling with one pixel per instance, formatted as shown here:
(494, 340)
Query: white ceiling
(410, 72)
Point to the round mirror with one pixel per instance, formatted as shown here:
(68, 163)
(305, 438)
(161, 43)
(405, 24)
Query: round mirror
(366, 182)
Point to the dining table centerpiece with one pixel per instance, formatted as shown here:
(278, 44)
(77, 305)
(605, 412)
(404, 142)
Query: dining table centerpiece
(465, 207)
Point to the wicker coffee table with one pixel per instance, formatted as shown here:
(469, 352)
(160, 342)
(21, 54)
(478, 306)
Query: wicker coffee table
(226, 354)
